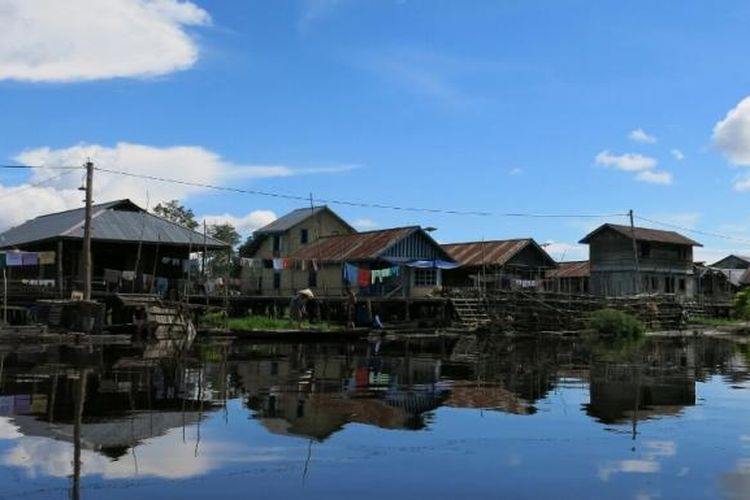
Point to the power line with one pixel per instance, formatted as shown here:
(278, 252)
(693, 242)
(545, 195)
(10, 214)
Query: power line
(42, 167)
(349, 203)
(13, 191)
(694, 231)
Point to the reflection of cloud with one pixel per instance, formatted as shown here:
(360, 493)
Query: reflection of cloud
(736, 484)
(8, 430)
(646, 464)
(166, 457)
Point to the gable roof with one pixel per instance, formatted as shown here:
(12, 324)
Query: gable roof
(720, 263)
(291, 219)
(497, 252)
(118, 221)
(369, 245)
(572, 269)
(643, 234)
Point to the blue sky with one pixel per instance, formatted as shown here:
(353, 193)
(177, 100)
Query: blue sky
(514, 106)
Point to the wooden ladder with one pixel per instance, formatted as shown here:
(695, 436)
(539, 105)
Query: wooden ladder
(471, 312)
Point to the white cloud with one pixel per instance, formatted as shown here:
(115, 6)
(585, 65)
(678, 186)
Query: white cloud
(315, 10)
(562, 252)
(742, 183)
(640, 135)
(193, 164)
(78, 40)
(364, 224)
(678, 155)
(732, 134)
(629, 162)
(244, 224)
(515, 171)
(654, 177)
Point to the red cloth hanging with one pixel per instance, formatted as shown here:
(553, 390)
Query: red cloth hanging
(363, 278)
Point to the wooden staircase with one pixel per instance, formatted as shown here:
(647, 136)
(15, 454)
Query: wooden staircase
(471, 312)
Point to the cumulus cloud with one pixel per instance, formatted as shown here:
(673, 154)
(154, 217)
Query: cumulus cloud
(244, 224)
(732, 134)
(640, 135)
(629, 162)
(364, 224)
(677, 154)
(78, 40)
(654, 177)
(561, 251)
(515, 171)
(193, 164)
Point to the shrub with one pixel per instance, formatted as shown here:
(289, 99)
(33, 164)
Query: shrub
(741, 306)
(616, 324)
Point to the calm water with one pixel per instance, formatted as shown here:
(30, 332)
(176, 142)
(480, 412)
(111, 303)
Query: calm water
(478, 419)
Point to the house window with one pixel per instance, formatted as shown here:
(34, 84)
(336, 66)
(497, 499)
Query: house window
(668, 284)
(682, 284)
(276, 281)
(303, 236)
(276, 244)
(312, 279)
(425, 277)
(645, 249)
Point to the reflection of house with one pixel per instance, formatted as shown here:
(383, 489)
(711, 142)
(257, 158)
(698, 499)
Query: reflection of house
(664, 260)
(569, 277)
(498, 264)
(130, 247)
(623, 392)
(472, 394)
(283, 237)
(408, 261)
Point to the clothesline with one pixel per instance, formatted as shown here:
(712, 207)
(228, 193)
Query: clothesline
(20, 259)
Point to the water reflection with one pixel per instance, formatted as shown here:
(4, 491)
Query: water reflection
(139, 411)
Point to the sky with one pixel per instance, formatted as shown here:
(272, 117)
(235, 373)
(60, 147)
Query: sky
(512, 107)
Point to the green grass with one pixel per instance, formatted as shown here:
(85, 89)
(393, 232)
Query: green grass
(249, 323)
(716, 321)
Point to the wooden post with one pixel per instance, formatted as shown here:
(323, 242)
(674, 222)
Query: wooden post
(60, 277)
(87, 233)
(635, 254)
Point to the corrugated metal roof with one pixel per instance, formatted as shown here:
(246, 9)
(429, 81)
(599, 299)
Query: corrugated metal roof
(370, 245)
(497, 252)
(574, 269)
(120, 220)
(288, 221)
(644, 234)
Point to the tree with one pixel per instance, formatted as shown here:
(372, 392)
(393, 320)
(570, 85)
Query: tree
(222, 263)
(245, 250)
(172, 210)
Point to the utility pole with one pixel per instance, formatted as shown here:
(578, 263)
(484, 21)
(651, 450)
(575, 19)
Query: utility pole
(635, 254)
(87, 233)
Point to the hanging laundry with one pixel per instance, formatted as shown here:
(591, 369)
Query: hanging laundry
(13, 259)
(30, 258)
(166, 260)
(112, 276)
(287, 263)
(314, 265)
(161, 285)
(46, 258)
(303, 265)
(363, 278)
(128, 275)
(278, 264)
(351, 273)
(175, 262)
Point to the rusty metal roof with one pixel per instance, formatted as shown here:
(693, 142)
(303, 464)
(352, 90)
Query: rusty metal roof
(497, 252)
(370, 245)
(573, 269)
(644, 234)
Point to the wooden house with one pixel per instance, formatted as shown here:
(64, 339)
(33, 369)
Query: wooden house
(132, 250)
(403, 261)
(499, 264)
(280, 239)
(663, 259)
(570, 277)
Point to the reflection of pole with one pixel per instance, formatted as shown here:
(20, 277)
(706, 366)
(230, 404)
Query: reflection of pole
(75, 492)
(637, 401)
(5, 296)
